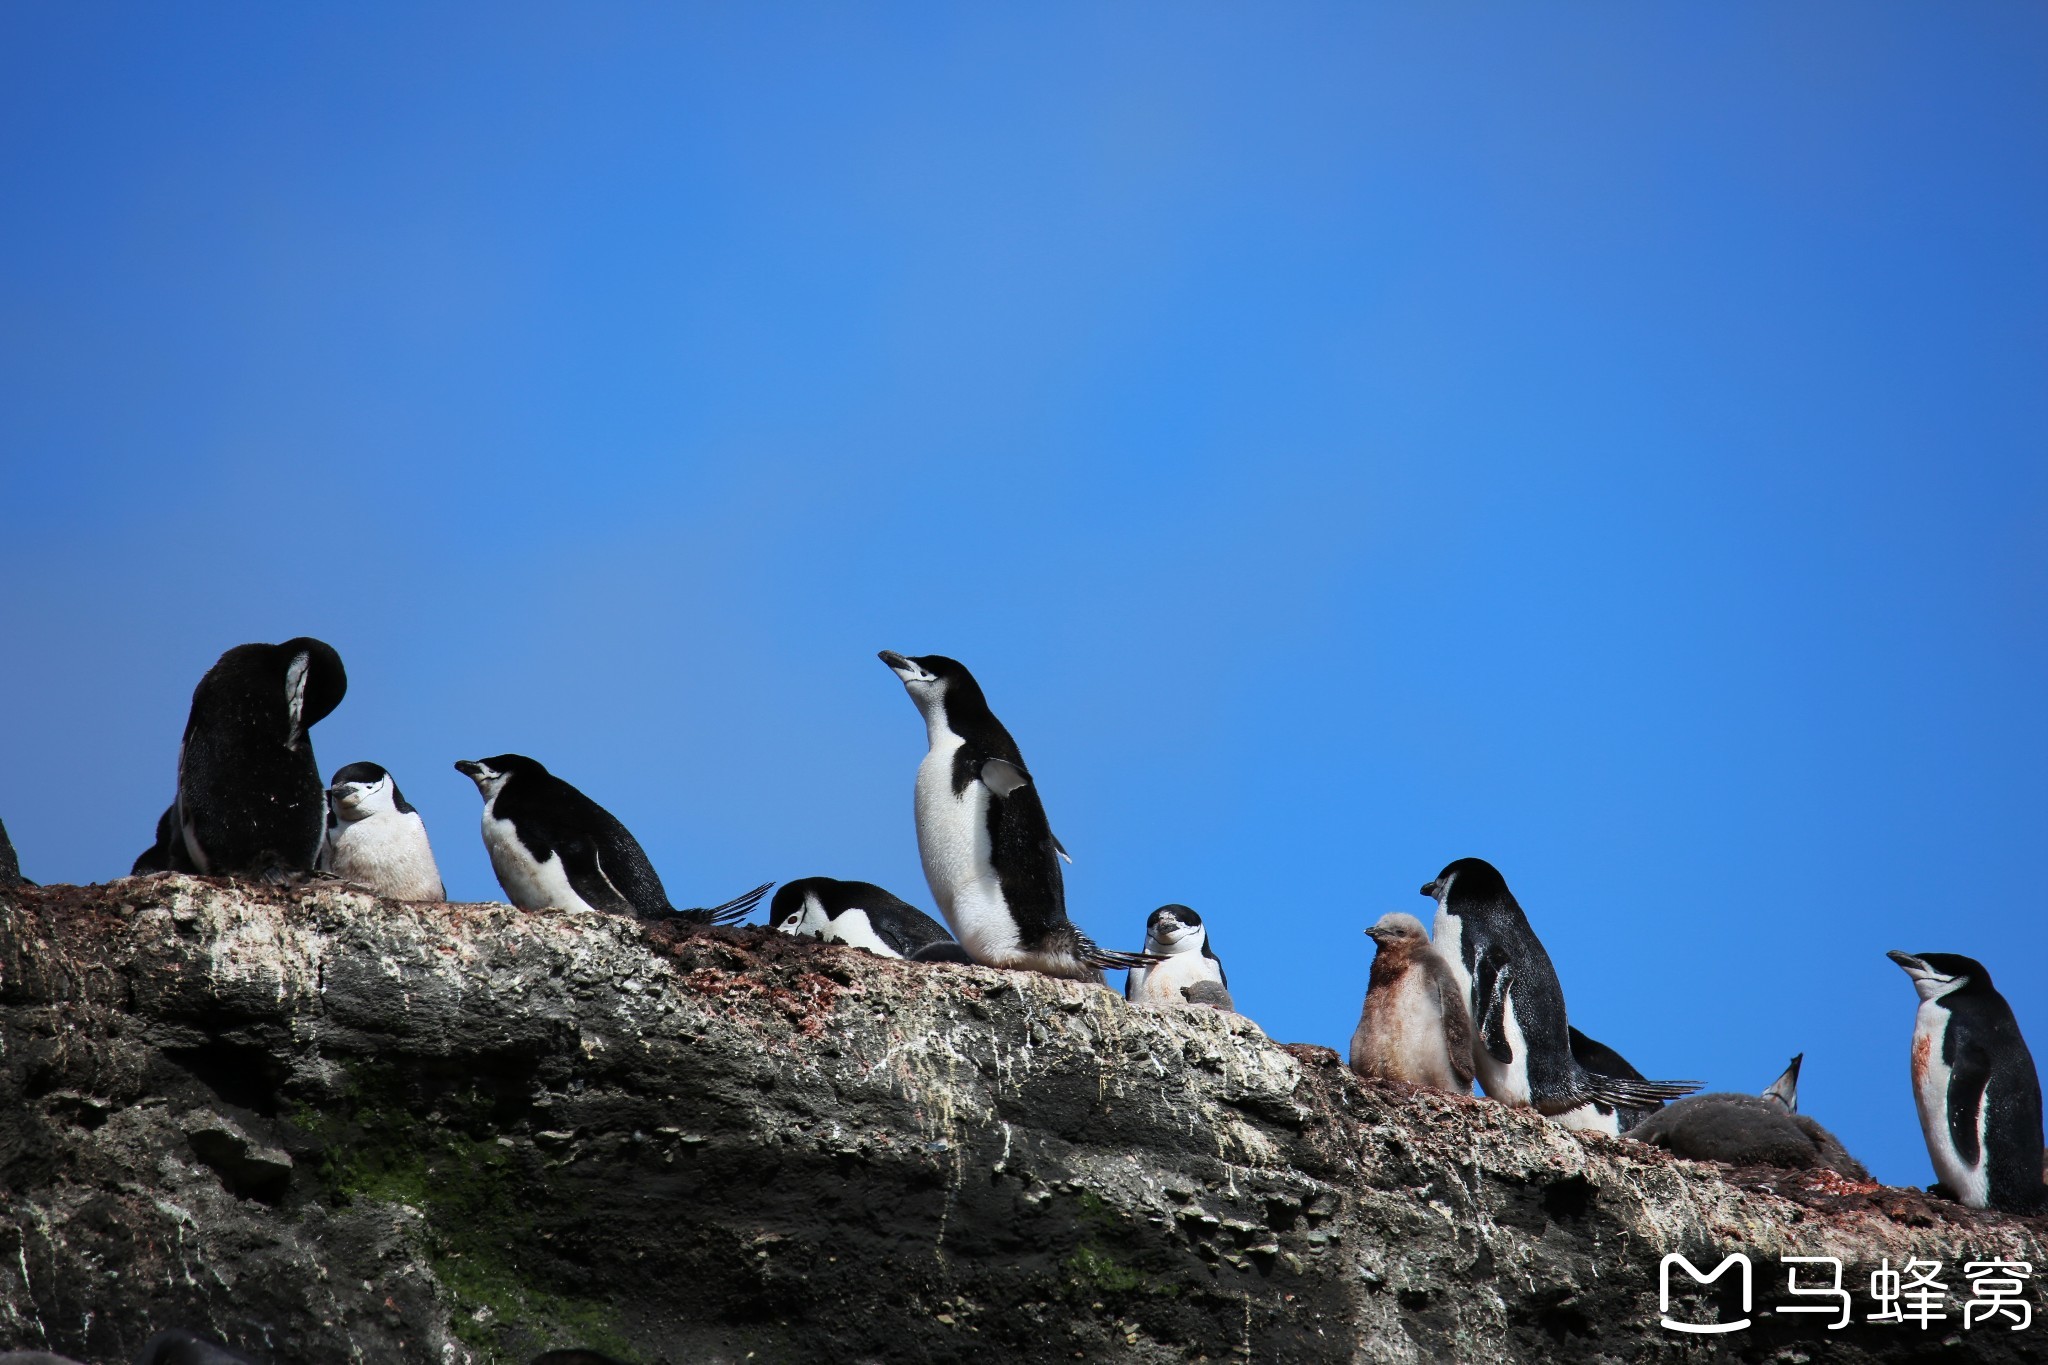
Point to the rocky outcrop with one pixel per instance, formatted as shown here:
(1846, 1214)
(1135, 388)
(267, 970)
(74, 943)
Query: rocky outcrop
(327, 1128)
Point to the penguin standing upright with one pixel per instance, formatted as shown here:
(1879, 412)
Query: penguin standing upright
(1178, 938)
(989, 855)
(250, 800)
(1414, 1027)
(1522, 1042)
(376, 839)
(1974, 1080)
(861, 915)
(553, 846)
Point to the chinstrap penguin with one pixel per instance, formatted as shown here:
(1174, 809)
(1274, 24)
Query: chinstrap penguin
(989, 856)
(1414, 1027)
(1603, 1060)
(1746, 1130)
(553, 846)
(1974, 1080)
(1522, 1045)
(250, 801)
(1178, 938)
(861, 915)
(1784, 1092)
(376, 839)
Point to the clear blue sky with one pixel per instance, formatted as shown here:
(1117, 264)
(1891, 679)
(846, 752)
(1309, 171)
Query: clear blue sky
(1604, 439)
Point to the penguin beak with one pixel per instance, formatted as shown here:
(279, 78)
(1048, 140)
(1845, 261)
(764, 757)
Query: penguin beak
(894, 660)
(1907, 960)
(1429, 889)
(469, 768)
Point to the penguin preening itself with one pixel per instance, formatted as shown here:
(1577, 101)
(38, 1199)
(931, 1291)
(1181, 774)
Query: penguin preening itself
(376, 839)
(1414, 1027)
(1974, 1081)
(250, 800)
(1178, 938)
(1522, 1044)
(1784, 1092)
(553, 846)
(1603, 1060)
(1746, 1130)
(989, 856)
(861, 915)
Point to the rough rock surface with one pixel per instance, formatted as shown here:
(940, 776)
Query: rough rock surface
(327, 1128)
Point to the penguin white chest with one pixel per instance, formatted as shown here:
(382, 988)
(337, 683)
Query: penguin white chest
(530, 883)
(1970, 1183)
(856, 930)
(1163, 982)
(388, 853)
(1401, 1034)
(953, 843)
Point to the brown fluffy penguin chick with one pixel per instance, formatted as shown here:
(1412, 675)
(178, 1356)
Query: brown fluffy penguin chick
(1415, 1027)
(1745, 1130)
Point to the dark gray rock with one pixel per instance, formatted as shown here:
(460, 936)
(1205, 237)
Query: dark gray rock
(323, 1128)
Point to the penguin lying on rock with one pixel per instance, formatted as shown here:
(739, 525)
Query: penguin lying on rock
(553, 846)
(1745, 1130)
(1179, 939)
(861, 915)
(376, 839)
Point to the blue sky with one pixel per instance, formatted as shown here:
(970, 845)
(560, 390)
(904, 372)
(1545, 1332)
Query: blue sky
(1606, 440)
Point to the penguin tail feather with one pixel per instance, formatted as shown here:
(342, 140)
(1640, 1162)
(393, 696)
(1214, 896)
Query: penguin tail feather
(1111, 958)
(1614, 1090)
(732, 912)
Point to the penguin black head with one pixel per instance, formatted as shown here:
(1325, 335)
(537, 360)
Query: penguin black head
(363, 789)
(933, 678)
(1472, 878)
(1937, 975)
(1174, 929)
(491, 774)
(798, 908)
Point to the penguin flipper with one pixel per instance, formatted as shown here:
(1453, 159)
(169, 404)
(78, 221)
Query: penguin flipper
(1969, 1074)
(584, 867)
(1003, 777)
(732, 912)
(1457, 1021)
(1493, 983)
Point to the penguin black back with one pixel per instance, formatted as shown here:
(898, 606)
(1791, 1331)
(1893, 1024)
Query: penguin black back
(250, 799)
